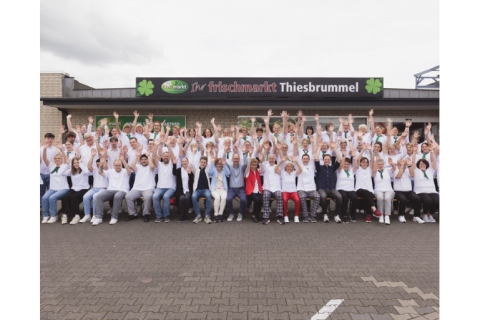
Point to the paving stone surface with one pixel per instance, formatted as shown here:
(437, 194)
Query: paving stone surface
(239, 270)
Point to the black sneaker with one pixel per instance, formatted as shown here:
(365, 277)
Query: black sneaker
(158, 220)
(313, 220)
(265, 221)
(130, 218)
(220, 218)
(146, 218)
(254, 219)
(215, 219)
(345, 219)
(353, 219)
(280, 220)
(166, 220)
(306, 220)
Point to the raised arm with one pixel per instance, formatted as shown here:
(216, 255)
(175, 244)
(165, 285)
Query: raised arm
(371, 123)
(299, 167)
(350, 122)
(134, 124)
(138, 153)
(284, 115)
(90, 124)
(411, 168)
(277, 167)
(375, 165)
(102, 166)
(90, 161)
(70, 127)
(154, 153)
(125, 164)
(267, 121)
(117, 125)
(433, 158)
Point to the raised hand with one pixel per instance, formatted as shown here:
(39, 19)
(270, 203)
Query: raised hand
(299, 113)
(235, 149)
(284, 114)
(69, 116)
(212, 121)
(219, 127)
(77, 127)
(294, 159)
(138, 152)
(168, 129)
(103, 122)
(121, 157)
(244, 148)
(252, 119)
(125, 149)
(150, 116)
(62, 129)
(90, 119)
(370, 113)
(390, 161)
(58, 144)
(270, 113)
(401, 162)
(189, 170)
(416, 134)
(304, 118)
(408, 123)
(284, 158)
(266, 120)
(106, 143)
(368, 146)
(404, 134)
(136, 114)
(409, 161)
(94, 152)
(180, 140)
(316, 117)
(350, 119)
(157, 142)
(340, 119)
(115, 114)
(389, 120)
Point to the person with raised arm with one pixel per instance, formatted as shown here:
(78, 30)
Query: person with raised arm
(44, 170)
(363, 183)
(402, 185)
(424, 185)
(207, 135)
(144, 169)
(139, 130)
(118, 187)
(236, 166)
(346, 187)
(79, 174)
(57, 180)
(271, 186)
(329, 135)
(201, 188)
(130, 154)
(184, 181)
(290, 131)
(383, 190)
(306, 188)
(81, 131)
(378, 130)
(324, 176)
(100, 183)
(166, 181)
(345, 129)
(257, 133)
(253, 188)
(219, 172)
(126, 133)
(193, 150)
(289, 189)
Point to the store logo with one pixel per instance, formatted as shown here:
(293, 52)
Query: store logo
(174, 86)
(145, 88)
(373, 86)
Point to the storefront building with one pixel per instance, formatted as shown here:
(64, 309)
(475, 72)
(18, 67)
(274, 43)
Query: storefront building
(235, 100)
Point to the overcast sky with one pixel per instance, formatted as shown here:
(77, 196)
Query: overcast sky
(106, 44)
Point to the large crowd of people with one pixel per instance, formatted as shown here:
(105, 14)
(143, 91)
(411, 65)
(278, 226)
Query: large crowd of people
(362, 171)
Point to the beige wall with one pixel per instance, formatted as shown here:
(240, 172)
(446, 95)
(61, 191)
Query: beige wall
(50, 118)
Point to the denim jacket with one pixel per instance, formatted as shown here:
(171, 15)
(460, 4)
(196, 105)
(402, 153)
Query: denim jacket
(213, 172)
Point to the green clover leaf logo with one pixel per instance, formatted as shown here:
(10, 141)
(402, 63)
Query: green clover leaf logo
(145, 88)
(373, 86)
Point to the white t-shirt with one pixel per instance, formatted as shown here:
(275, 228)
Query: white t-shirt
(206, 140)
(112, 156)
(175, 150)
(79, 180)
(118, 181)
(85, 152)
(99, 182)
(326, 137)
(278, 138)
(421, 183)
(367, 138)
(385, 183)
(141, 139)
(382, 139)
(221, 141)
(144, 178)
(288, 181)
(166, 178)
(51, 152)
(404, 183)
(345, 182)
(271, 179)
(131, 154)
(58, 180)
(306, 179)
(125, 139)
(364, 179)
(184, 174)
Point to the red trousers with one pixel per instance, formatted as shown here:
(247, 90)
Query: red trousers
(295, 198)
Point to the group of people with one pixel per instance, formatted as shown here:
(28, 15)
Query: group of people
(361, 170)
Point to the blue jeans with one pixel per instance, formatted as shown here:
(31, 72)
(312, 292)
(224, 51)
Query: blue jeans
(236, 192)
(208, 201)
(45, 186)
(91, 194)
(165, 194)
(49, 201)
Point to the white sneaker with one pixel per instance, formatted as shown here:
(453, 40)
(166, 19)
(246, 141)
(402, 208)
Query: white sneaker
(45, 220)
(97, 222)
(380, 219)
(430, 218)
(53, 219)
(230, 217)
(418, 219)
(325, 218)
(239, 217)
(337, 219)
(93, 219)
(296, 219)
(402, 219)
(86, 218)
(75, 219)
(113, 221)
(285, 219)
(425, 217)
(387, 219)
(64, 219)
